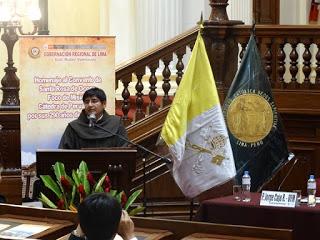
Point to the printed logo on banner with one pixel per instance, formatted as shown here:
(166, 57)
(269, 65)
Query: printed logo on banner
(34, 52)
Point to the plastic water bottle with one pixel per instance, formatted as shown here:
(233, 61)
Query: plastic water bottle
(246, 184)
(312, 187)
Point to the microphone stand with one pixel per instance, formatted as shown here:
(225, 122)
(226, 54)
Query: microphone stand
(138, 146)
(144, 186)
(288, 173)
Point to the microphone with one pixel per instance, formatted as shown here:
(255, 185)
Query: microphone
(138, 146)
(92, 119)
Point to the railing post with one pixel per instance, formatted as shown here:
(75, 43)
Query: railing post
(221, 45)
(218, 10)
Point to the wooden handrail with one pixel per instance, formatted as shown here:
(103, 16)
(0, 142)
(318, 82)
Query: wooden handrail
(156, 53)
(150, 125)
(151, 59)
(293, 31)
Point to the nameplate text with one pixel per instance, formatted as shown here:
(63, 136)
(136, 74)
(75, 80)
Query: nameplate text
(278, 199)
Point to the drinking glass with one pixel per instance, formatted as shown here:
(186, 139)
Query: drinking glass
(237, 191)
(298, 201)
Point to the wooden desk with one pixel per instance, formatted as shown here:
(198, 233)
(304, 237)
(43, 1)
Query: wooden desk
(63, 222)
(182, 229)
(164, 229)
(152, 234)
(303, 220)
(51, 226)
(205, 236)
(143, 234)
(58, 222)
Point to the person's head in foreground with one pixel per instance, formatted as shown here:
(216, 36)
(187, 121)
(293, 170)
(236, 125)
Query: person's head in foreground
(99, 216)
(95, 101)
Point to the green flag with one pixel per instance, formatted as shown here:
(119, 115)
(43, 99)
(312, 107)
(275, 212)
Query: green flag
(254, 125)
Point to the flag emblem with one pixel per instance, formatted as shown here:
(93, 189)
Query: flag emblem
(215, 147)
(250, 118)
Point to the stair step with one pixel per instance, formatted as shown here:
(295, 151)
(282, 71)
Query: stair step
(172, 210)
(154, 203)
(181, 218)
(166, 213)
(184, 216)
(166, 202)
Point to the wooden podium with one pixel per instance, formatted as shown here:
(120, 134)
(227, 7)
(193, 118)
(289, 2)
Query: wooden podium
(119, 163)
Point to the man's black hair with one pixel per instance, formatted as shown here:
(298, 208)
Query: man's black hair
(95, 92)
(99, 216)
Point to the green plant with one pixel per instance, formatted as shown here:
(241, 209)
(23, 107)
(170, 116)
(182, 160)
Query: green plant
(70, 191)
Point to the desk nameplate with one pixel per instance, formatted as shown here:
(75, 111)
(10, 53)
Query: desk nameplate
(278, 199)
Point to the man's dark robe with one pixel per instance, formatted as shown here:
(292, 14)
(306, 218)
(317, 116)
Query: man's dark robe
(79, 135)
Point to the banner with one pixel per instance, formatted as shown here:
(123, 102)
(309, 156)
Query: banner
(195, 132)
(255, 129)
(55, 72)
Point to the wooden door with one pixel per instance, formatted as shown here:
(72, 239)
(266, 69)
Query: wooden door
(266, 11)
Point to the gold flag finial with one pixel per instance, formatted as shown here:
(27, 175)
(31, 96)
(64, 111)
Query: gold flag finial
(200, 22)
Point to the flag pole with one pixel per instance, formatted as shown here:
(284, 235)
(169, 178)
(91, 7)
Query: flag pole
(253, 29)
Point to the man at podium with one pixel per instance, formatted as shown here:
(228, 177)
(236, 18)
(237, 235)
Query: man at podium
(82, 132)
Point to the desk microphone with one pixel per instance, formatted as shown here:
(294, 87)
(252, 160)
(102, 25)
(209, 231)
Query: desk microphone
(92, 119)
(291, 156)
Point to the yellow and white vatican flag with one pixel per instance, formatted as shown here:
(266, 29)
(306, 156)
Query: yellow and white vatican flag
(195, 131)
